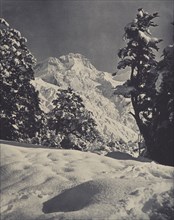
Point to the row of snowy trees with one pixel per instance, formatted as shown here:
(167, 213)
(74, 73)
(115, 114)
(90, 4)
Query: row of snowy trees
(68, 125)
(150, 86)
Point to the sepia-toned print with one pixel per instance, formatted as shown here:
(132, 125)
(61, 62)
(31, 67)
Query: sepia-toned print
(87, 109)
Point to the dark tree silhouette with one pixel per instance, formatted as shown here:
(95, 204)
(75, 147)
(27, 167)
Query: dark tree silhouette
(163, 121)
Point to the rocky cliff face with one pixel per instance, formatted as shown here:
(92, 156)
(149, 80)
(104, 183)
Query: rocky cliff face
(110, 112)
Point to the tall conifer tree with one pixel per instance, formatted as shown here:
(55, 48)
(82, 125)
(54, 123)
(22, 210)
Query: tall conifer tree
(19, 107)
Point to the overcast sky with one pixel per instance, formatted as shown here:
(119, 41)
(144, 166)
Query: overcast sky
(93, 28)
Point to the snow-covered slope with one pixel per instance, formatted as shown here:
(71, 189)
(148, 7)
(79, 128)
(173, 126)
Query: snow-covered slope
(96, 89)
(39, 184)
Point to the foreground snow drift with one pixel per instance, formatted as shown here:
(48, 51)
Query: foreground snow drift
(52, 184)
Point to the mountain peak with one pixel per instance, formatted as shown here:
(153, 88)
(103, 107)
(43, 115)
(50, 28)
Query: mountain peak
(77, 59)
(71, 61)
(76, 55)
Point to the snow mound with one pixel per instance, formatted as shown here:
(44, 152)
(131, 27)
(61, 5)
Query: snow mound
(40, 184)
(73, 199)
(120, 156)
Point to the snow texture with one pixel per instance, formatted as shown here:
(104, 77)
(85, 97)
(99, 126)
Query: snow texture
(40, 184)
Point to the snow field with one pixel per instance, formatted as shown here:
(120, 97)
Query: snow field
(39, 183)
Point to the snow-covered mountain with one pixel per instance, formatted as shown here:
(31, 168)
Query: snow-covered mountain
(96, 88)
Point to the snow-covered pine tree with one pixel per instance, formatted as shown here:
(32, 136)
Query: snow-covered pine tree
(19, 107)
(140, 57)
(72, 121)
